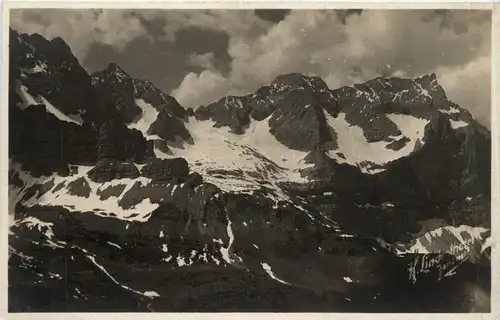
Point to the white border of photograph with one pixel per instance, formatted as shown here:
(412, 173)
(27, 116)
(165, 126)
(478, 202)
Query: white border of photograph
(254, 4)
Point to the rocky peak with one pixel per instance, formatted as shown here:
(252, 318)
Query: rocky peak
(294, 90)
(56, 51)
(135, 99)
(422, 91)
(116, 89)
(117, 71)
(112, 73)
(288, 94)
(50, 72)
(230, 111)
(114, 68)
(147, 91)
(61, 46)
(296, 105)
(298, 80)
(144, 85)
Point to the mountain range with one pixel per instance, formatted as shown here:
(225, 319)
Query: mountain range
(373, 197)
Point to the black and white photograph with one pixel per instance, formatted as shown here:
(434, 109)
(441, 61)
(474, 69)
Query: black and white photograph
(249, 160)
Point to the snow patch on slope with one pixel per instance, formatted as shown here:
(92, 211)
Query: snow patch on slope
(195, 256)
(356, 149)
(90, 257)
(448, 239)
(225, 251)
(270, 272)
(93, 203)
(148, 116)
(41, 226)
(422, 91)
(162, 155)
(29, 101)
(458, 124)
(451, 110)
(59, 115)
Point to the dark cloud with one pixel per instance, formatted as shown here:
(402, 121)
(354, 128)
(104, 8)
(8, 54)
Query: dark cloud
(344, 14)
(272, 15)
(163, 62)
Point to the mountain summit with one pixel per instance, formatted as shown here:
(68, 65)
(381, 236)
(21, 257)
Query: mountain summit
(296, 197)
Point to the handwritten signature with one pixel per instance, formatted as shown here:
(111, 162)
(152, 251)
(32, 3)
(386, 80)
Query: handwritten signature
(427, 263)
(445, 265)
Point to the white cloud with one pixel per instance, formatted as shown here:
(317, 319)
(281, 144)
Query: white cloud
(204, 88)
(469, 86)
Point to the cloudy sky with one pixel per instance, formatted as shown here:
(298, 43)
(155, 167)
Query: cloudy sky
(199, 56)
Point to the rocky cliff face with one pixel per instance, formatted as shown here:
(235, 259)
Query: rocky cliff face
(297, 197)
(141, 106)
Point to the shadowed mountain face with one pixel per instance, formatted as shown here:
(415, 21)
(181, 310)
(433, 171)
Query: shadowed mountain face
(295, 198)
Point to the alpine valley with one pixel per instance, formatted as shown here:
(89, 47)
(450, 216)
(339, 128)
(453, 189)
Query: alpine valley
(294, 198)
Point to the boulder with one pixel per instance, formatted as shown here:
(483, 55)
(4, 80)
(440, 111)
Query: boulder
(194, 179)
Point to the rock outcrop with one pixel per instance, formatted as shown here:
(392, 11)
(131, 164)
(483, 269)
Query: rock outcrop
(166, 170)
(110, 169)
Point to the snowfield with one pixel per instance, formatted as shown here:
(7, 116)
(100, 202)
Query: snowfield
(356, 149)
(256, 153)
